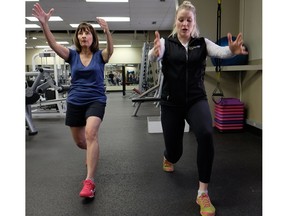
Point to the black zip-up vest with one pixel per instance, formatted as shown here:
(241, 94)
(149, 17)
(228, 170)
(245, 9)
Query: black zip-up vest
(183, 72)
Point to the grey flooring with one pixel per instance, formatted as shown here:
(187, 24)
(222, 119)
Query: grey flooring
(129, 178)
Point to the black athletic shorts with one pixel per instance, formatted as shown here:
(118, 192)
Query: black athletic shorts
(76, 115)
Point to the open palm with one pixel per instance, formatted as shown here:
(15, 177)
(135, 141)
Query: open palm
(40, 14)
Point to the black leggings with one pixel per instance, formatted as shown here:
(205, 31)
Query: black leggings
(199, 118)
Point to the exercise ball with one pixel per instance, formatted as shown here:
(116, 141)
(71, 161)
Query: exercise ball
(236, 60)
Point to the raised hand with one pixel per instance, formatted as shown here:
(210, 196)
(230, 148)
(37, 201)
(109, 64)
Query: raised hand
(40, 14)
(157, 47)
(103, 24)
(236, 46)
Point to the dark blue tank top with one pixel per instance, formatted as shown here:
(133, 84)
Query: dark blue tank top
(87, 82)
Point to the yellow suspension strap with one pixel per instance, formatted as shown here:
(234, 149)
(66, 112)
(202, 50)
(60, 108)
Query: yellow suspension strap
(217, 93)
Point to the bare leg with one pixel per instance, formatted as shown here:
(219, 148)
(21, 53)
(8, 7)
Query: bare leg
(91, 133)
(78, 134)
(87, 138)
(203, 186)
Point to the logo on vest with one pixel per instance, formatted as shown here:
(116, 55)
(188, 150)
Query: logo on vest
(194, 47)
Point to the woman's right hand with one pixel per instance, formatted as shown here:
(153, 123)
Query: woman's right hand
(40, 14)
(157, 47)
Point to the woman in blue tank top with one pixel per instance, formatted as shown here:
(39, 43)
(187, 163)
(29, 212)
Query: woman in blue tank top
(86, 99)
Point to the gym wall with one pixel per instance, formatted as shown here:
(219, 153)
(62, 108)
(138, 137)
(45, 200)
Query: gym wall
(236, 17)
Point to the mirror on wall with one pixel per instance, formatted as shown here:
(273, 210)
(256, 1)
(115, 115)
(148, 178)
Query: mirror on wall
(116, 73)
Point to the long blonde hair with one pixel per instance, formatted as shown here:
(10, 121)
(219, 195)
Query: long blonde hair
(187, 5)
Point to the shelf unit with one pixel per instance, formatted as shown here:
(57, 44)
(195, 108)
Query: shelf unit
(236, 68)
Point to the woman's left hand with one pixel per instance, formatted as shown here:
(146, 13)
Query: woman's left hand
(236, 46)
(103, 24)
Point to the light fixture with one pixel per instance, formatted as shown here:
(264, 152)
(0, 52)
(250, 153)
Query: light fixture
(52, 18)
(123, 46)
(32, 26)
(94, 25)
(116, 19)
(40, 47)
(105, 1)
(62, 42)
(47, 46)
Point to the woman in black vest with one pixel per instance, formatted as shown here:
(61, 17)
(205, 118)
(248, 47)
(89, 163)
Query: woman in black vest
(183, 56)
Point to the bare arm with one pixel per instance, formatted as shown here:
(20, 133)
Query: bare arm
(108, 51)
(43, 18)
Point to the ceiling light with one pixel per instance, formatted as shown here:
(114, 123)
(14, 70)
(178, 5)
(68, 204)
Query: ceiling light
(62, 42)
(52, 18)
(40, 47)
(32, 26)
(116, 19)
(122, 46)
(76, 25)
(102, 42)
(107, 1)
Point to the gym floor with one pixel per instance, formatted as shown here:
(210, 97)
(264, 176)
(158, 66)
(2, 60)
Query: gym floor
(129, 178)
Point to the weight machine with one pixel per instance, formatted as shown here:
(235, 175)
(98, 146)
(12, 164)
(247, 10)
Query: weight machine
(44, 80)
(144, 97)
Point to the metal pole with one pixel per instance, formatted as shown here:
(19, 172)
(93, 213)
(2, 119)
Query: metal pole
(218, 35)
(123, 81)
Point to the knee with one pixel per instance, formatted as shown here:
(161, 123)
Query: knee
(173, 158)
(205, 135)
(78, 135)
(205, 130)
(81, 143)
(90, 135)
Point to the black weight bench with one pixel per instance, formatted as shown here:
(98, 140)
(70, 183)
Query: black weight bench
(140, 100)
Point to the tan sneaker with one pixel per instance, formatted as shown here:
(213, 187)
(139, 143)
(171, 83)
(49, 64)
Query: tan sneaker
(206, 207)
(167, 166)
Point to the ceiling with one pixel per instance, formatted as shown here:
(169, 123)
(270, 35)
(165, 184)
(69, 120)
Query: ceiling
(145, 16)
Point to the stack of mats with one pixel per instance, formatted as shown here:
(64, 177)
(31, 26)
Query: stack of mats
(229, 114)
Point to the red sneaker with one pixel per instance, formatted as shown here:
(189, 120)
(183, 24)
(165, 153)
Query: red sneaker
(88, 189)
